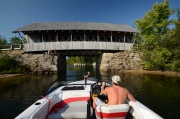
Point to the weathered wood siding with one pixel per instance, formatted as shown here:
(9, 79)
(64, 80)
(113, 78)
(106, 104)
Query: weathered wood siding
(76, 45)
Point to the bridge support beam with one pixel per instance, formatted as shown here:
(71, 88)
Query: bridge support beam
(61, 65)
(102, 61)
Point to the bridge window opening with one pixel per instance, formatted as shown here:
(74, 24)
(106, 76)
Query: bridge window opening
(45, 38)
(77, 36)
(91, 36)
(128, 39)
(74, 38)
(35, 38)
(53, 38)
(115, 38)
(121, 38)
(65, 36)
(105, 36)
(101, 38)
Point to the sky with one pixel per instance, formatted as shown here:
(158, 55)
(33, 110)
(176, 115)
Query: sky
(18, 13)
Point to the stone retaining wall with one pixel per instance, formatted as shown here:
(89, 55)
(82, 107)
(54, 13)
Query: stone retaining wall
(40, 63)
(120, 61)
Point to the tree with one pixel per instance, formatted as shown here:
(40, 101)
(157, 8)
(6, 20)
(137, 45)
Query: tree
(3, 40)
(160, 43)
(81, 59)
(17, 40)
(154, 24)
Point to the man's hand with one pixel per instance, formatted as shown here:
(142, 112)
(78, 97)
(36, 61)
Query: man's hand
(102, 88)
(103, 85)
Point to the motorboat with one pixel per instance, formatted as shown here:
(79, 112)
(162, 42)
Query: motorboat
(73, 100)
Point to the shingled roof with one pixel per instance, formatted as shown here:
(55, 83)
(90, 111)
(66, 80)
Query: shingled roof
(41, 26)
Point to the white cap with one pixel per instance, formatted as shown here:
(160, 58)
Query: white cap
(116, 79)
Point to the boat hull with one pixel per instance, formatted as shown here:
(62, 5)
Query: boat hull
(75, 101)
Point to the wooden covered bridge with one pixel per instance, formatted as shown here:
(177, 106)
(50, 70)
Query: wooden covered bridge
(77, 38)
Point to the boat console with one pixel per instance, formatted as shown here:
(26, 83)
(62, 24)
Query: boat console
(96, 91)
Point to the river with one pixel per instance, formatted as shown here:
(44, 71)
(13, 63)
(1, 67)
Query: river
(158, 92)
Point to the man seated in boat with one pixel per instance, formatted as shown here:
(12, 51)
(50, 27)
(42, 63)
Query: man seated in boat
(115, 93)
(88, 75)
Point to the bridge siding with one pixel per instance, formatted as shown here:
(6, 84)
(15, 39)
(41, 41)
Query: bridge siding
(76, 45)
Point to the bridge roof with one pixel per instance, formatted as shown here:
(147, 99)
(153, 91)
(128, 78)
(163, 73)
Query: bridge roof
(41, 26)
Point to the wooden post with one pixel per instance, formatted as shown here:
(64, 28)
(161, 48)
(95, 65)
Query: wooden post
(42, 37)
(71, 35)
(84, 36)
(97, 35)
(124, 39)
(56, 36)
(111, 36)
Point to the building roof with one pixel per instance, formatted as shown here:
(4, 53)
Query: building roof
(41, 26)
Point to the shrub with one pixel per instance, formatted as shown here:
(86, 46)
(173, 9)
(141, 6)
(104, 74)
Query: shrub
(10, 65)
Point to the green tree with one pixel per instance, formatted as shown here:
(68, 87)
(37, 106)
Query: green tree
(17, 40)
(3, 40)
(173, 42)
(154, 24)
(160, 38)
(157, 59)
(81, 59)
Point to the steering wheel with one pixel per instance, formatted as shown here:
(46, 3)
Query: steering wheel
(96, 90)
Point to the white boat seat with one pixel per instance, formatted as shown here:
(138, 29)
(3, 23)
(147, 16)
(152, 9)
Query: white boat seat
(112, 111)
(72, 106)
(70, 113)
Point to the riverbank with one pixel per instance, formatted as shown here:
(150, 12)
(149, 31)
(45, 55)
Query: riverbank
(9, 75)
(167, 73)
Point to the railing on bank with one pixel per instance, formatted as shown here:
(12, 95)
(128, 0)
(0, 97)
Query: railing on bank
(11, 47)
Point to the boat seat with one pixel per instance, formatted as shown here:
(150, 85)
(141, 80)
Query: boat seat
(112, 111)
(72, 106)
(79, 112)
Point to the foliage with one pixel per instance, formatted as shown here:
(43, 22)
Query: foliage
(3, 40)
(157, 59)
(175, 65)
(17, 40)
(81, 59)
(160, 38)
(154, 24)
(10, 65)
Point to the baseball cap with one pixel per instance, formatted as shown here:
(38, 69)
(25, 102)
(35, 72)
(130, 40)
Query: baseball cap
(116, 79)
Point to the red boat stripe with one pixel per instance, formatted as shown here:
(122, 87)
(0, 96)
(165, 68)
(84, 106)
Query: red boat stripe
(64, 102)
(111, 115)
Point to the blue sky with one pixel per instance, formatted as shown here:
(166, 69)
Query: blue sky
(18, 13)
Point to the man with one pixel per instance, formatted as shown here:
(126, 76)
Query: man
(116, 94)
(88, 75)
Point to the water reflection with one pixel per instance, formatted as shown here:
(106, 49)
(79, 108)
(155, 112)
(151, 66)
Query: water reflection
(160, 93)
(17, 93)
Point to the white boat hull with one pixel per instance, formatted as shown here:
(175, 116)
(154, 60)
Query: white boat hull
(72, 101)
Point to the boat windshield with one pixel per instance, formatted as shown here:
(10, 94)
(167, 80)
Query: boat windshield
(59, 83)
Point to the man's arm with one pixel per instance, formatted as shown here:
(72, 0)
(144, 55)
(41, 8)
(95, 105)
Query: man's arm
(130, 97)
(103, 91)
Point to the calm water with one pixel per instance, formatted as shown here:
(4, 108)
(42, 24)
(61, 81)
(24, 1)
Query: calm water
(160, 93)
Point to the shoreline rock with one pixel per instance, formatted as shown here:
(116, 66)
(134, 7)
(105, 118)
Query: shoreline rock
(9, 75)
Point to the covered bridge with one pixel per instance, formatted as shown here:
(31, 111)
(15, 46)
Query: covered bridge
(77, 38)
